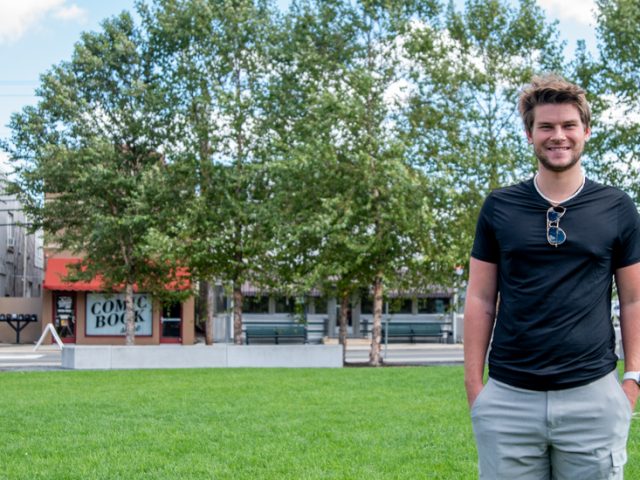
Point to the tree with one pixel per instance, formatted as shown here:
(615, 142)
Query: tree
(611, 81)
(353, 211)
(308, 250)
(92, 145)
(464, 126)
(215, 61)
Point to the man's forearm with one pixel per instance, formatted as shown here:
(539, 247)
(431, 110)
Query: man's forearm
(479, 316)
(478, 326)
(628, 282)
(630, 330)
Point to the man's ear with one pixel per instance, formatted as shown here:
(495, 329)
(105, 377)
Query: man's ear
(529, 137)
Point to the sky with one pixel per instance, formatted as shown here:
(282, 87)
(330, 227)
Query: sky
(37, 34)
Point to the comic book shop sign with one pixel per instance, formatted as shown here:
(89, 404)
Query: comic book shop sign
(105, 314)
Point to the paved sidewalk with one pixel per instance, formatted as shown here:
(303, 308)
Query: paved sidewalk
(48, 357)
(409, 354)
(23, 357)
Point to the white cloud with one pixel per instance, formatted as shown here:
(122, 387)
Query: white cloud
(71, 13)
(18, 17)
(580, 11)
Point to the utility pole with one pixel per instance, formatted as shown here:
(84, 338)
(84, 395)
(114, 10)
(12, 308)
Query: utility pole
(24, 263)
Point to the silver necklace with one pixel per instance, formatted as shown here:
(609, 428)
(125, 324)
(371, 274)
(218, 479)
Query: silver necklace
(553, 202)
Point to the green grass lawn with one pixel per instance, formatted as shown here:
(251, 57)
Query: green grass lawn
(352, 423)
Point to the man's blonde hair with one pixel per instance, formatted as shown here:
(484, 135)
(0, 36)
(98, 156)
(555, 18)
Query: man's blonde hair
(550, 89)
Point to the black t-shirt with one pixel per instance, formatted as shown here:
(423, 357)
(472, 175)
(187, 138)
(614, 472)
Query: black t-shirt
(553, 328)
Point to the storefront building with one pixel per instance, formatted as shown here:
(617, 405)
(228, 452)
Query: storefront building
(84, 314)
(321, 312)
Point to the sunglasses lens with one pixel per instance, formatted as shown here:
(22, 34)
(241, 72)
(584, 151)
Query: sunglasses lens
(554, 213)
(556, 235)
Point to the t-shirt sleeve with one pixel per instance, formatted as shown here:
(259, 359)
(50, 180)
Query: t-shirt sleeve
(485, 245)
(627, 250)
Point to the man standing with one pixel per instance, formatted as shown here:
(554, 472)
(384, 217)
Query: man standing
(544, 257)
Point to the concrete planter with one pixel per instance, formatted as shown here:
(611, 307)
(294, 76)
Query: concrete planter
(113, 357)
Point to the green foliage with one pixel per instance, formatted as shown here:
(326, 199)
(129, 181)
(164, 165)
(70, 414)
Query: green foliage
(326, 147)
(463, 122)
(612, 79)
(353, 208)
(215, 62)
(92, 145)
(618, 27)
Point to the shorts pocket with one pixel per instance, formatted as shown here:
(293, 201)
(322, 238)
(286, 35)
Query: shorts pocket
(618, 460)
(481, 395)
(624, 399)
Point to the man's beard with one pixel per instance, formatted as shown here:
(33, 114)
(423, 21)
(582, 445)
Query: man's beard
(544, 160)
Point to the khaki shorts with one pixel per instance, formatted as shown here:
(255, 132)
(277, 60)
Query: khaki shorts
(576, 433)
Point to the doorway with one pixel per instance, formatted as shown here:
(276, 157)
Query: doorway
(171, 323)
(64, 316)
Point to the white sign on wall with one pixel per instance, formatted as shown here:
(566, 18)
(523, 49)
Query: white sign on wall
(105, 314)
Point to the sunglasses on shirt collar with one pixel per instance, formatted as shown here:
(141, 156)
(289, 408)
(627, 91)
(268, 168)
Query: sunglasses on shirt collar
(555, 235)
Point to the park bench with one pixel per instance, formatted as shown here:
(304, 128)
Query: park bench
(275, 332)
(412, 331)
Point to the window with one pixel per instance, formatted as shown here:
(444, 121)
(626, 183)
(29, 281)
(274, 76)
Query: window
(396, 305)
(285, 305)
(433, 305)
(10, 222)
(221, 300)
(320, 305)
(257, 304)
(366, 304)
(400, 305)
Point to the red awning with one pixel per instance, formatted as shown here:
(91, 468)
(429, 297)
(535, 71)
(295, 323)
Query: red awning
(57, 270)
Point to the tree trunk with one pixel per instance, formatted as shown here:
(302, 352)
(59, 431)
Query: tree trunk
(374, 354)
(129, 316)
(211, 313)
(342, 334)
(237, 314)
